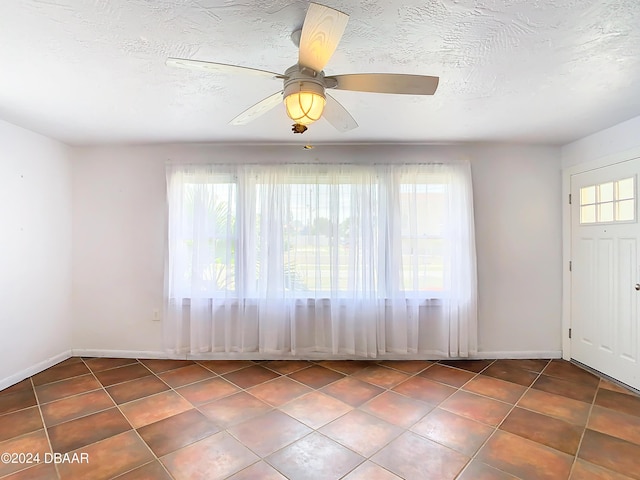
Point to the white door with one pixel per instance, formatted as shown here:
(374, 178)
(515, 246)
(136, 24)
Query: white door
(605, 278)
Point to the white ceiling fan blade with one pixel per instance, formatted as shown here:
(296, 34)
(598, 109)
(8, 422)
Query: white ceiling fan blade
(260, 108)
(216, 67)
(386, 83)
(337, 115)
(321, 32)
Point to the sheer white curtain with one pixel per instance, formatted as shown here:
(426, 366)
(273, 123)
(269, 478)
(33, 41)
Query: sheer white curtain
(321, 259)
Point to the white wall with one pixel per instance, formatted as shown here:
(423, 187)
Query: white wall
(119, 238)
(35, 253)
(620, 138)
(517, 196)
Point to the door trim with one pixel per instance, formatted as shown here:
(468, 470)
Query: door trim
(567, 172)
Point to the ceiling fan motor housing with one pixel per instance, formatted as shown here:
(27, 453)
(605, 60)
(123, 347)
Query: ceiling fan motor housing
(302, 79)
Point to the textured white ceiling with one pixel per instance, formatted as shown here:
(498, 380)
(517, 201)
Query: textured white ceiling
(548, 71)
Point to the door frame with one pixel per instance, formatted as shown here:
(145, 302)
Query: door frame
(567, 172)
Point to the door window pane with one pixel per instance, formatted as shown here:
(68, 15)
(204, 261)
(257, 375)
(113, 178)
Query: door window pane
(605, 212)
(625, 188)
(588, 214)
(605, 191)
(588, 195)
(625, 210)
(608, 202)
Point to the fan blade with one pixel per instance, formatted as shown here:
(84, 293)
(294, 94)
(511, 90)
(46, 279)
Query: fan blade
(216, 67)
(337, 115)
(321, 32)
(260, 108)
(386, 83)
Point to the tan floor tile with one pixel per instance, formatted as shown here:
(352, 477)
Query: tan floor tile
(33, 443)
(554, 433)
(352, 391)
(66, 388)
(60, 372)
(408, 366)
(425, 390)
(172, 433)
(207, 390)
(185, 375)
(150, 471)
(117, 375)
(77, 406)
(108, 458)
(136, 389)
(616, 424)
(279, 391)
(105, 363)
(564, 408)
(381, 376)
(42, 471)
(396, 409)
(315, 457)
(269, 432)
(582, 392)
(588, 471)
(17, 400)
(361, 432)
(316, 409)
(370, 471)
(69, 436)
(316, 376)
(611, 453)
(461, 434)
(154, 408)
(477, 470)
(258, 471)
(250, 376)
(498, 389)
(414, 457)
(447, 375)
(621, 402)
(284, 367)
(218, 456)
(482, 409)
(163, 365)
(234, 409)
(524, 458)
(19, 423)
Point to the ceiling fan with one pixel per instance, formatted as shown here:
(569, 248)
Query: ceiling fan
(305, 83)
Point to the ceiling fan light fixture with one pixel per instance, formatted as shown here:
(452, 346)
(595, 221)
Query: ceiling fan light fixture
(304, 102)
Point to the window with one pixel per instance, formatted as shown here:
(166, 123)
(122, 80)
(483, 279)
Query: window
(608, 202)
(324, 223)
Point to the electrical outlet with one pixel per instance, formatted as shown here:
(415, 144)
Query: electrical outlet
(155, 316)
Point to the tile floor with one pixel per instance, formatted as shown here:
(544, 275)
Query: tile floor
(472, 420)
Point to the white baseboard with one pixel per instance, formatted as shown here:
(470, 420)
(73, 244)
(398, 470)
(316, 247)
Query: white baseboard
(518, 354)
(308, 356)
(89, 352)
(37, 368)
